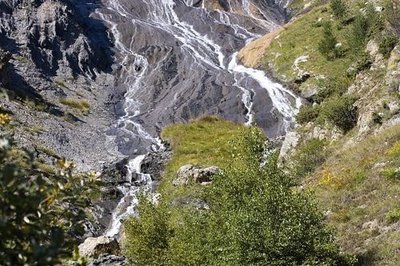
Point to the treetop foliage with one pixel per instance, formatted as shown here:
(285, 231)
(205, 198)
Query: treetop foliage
(41, 214)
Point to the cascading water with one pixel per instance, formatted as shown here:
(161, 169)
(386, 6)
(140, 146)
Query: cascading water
(177, 61)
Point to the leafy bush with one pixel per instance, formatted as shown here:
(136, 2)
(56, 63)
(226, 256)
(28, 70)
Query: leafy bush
(307, 113)
(340, 111)
(339, 9)
(387, 45)
(41, 214)
(255, 217)
(308, 157)
(149, 245)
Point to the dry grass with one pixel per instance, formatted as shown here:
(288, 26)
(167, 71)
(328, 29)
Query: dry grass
(82, 106)
(361, 200)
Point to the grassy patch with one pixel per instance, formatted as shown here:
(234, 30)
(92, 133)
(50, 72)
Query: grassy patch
(205, 142)
(78, 104)
(301, 38)
(356, 185)
(46, 151)
(297, 49)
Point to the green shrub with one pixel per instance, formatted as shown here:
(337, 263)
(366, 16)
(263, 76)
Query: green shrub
(308, 157)
(340, 111)
(148, 236)
(339, 9)
(327, 45)
(387, 45)
(255, 217)
(307, 113)
(391, 173)
(42, 213)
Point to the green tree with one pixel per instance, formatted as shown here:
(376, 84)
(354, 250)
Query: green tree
(41, 213)
(255, 217)
(327, 45)
(365, 26)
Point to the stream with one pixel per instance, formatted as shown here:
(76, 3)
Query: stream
(176, 61)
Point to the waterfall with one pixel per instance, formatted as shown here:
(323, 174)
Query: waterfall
(175, 57)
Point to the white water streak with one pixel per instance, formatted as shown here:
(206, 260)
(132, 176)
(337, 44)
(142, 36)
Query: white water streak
(208, 54)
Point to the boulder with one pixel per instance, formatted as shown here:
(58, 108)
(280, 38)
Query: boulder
(188, 173)
(309, 93)
(109, 260)
(93, 247)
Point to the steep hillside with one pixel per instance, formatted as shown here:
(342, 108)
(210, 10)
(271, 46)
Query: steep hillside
(345, 146)
(55, 65)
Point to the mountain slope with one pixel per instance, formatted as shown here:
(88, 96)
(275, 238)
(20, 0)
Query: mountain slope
(353, 171)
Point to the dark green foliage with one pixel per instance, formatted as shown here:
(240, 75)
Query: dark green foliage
(387, 44)
(363, 62)
(340, 111)
(308, 157)
(327, 45)
(41, 214)
(331, 87)
(150, 244)
(359, 32)
(339, 9)
(255, 217)
(365, 27)
(307, 113)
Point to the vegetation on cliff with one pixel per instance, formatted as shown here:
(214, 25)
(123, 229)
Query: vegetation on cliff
(343, 56)
(253, 214)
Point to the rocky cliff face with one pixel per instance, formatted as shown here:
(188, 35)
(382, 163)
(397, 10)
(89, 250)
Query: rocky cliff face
(178, 63)
(72, 61)
(60, 58)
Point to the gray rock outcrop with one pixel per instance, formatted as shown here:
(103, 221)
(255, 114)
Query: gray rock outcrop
(108, 260)
(93, 247)
(190, 173)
